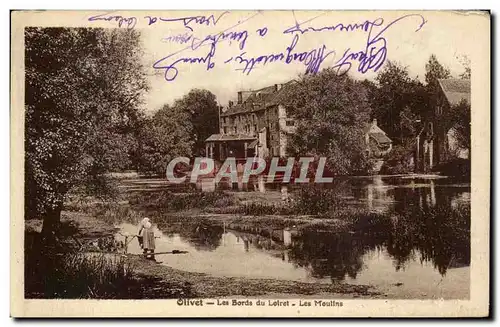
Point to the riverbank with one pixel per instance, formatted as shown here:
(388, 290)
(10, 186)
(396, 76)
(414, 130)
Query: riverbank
(151, 280)
(325, 241)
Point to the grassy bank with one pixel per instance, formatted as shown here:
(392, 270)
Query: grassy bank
(441, 234)
(308, 208)
(63, 271)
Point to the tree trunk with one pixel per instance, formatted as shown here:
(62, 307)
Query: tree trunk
(51, 221)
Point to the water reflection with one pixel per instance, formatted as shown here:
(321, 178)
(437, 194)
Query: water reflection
(377, 193)
(430, 223)
(422, 246)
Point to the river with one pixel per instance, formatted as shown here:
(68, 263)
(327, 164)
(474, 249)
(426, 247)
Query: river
(424, 255)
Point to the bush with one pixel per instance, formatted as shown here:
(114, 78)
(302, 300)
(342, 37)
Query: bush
(457, 167)
(314, 200)
(75, 275)
(184, 201)
(399, 161)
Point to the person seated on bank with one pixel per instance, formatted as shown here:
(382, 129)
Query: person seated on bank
(146, 238)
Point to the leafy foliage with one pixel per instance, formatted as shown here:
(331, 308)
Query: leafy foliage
(398, 102)
(331, 112)
(166, 135)
(83, 93)
(465, 61)
(434, 71)
(203, 112)
(459, 118)
(399, 160)
(177, 130)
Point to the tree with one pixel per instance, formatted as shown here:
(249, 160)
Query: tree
(434, 71)
(203, 112)
(398, 102)
(465, 61)
(330, 112)
(83, 93)
(459, 118)
(166, 135)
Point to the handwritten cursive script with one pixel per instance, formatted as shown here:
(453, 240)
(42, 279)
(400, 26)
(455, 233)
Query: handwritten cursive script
(129, 22)
(312, 59)
(370, 57)
(187, 21)
(373, 56)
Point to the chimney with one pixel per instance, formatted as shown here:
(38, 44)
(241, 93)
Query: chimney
(374, 123)
(240, 97)
(230, 103)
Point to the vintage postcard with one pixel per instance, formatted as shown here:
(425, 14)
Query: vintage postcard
(250, 163)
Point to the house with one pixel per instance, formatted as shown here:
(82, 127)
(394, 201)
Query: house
(377, 142)
(437, 142)
(255, 126)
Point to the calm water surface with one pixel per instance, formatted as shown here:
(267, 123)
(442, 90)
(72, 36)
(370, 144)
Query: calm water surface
(418, 256)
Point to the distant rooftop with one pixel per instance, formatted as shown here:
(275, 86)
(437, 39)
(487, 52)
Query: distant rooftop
(456, 90)
(229, 137)
(257, 100)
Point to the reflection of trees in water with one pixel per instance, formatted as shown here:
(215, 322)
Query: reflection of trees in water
(440, 233)
(428, 222)
(426, 226)
(205, 237)
(327, 254)
(202, 235)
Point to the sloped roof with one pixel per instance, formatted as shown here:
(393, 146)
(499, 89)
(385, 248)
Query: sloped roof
(380, 138)
(455, 90)
(229, 137)
(371, 128)
(258, 100)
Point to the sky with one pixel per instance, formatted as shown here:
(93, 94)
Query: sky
(409, 38)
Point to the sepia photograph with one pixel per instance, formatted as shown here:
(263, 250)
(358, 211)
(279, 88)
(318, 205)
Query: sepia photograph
(251, 160)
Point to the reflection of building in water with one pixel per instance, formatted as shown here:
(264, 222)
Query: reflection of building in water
(460, 199)
(285, 256)
(425, 194)
(284, 193)
(206, 184)
(432, 195)
(246, 244)
(378, 196)
(383, 194)
(287, 237)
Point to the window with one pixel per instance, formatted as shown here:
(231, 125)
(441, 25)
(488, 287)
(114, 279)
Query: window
(225, 130)
(290, 123)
